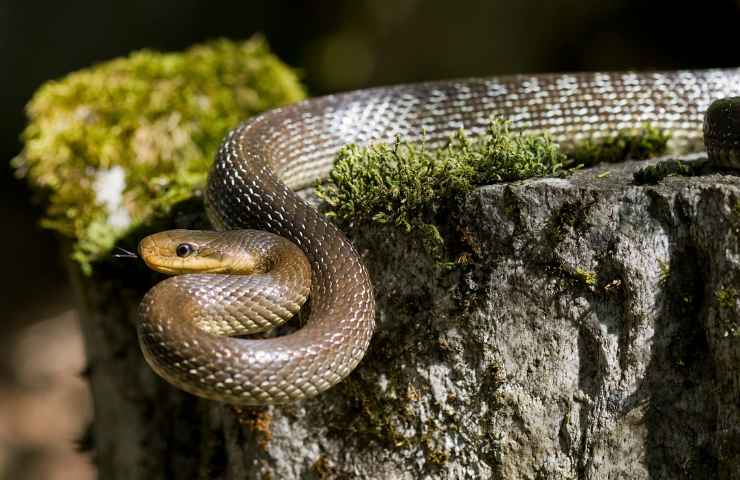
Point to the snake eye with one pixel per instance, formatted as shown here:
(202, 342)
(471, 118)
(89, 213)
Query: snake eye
(184, 249)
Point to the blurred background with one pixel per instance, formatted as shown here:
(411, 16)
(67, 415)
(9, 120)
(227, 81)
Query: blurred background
(337, 45)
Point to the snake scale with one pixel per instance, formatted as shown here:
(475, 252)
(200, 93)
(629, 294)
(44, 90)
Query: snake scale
(188, 323)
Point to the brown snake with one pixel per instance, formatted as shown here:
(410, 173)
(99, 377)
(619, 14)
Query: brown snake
(183, 319)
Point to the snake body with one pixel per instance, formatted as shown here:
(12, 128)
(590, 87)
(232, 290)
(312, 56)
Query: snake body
(263, 161)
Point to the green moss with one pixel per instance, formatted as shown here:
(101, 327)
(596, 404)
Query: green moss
(726, 297)
(586, 277)
(653, 174)
(632, 144)
(417, 189)
(435, 456)
(149, 124)
(411, 186)
(665, 272)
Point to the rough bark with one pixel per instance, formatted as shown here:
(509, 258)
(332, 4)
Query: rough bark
(593, 334)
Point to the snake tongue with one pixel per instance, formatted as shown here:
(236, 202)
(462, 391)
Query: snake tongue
(123, 253)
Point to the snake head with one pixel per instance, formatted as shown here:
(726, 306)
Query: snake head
(197, 251)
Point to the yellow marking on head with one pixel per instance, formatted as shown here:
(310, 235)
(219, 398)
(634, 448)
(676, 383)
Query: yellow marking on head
(194, 251)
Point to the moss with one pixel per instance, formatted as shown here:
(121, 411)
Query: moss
(435, 456)
(632, 144)
(653, 174)
(116, 144)
(586, 277)
(411, 186)
(665, 272)
(418, 189)
(726, 297)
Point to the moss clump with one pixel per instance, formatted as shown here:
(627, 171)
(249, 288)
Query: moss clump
(726, 297)
(632, 144)
(665, 272)
(115, 144)
(653, 174)
(586, 277)
(411, 186)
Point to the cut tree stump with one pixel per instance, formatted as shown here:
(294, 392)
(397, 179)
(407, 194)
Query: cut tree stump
(591, 331)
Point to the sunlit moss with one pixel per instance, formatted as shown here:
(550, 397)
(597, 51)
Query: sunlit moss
(665, 272)
(153, 120)
(415, 188)
(726, 297)
(586, 277)
(409, 185)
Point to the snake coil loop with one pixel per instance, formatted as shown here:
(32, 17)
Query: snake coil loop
(262, 161)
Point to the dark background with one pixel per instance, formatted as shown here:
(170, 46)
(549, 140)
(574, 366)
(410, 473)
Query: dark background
(338, 45)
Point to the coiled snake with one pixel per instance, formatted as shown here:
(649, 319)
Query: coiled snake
(188, 322)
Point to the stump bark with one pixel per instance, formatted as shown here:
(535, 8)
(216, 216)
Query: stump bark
(591, 330)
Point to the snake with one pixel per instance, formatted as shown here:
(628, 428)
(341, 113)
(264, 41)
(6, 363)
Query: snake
(271, 250)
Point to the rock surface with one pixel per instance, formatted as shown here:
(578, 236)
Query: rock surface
(590, 331)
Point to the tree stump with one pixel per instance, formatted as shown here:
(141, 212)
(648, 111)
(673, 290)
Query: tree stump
(591, 331)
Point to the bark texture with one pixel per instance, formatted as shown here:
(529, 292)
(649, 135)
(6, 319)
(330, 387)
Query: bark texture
(591, 331)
